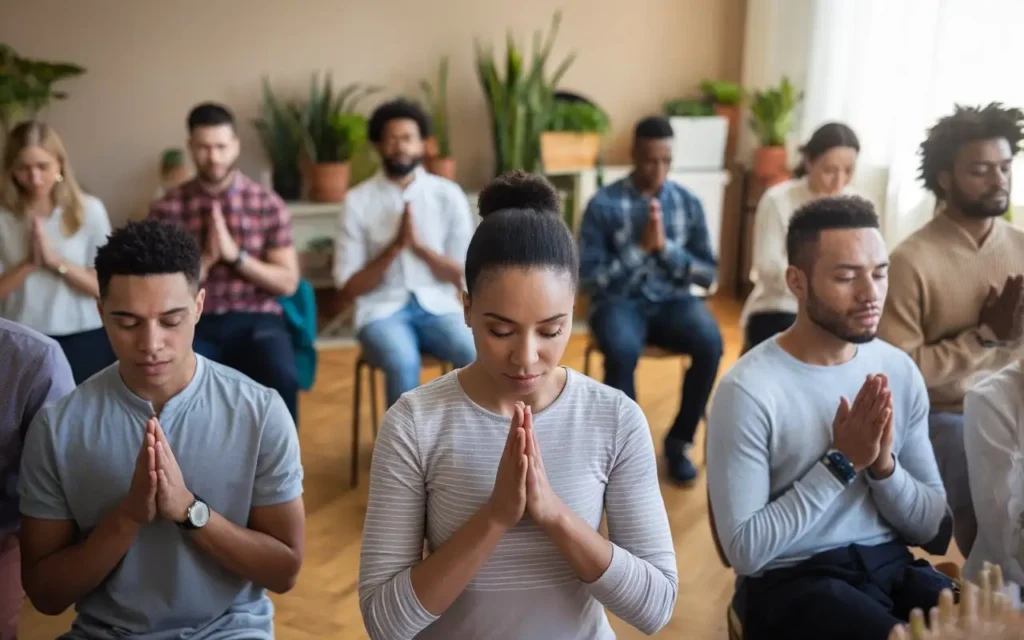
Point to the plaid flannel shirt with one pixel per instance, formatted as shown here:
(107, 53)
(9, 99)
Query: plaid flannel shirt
(258, 221)
(612, 264)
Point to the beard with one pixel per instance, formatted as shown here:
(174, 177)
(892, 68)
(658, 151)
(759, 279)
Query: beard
(984, 207)
(210, 175)
(396, 169)
(835, 322)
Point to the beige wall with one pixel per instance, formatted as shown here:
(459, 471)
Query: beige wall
(149, 61)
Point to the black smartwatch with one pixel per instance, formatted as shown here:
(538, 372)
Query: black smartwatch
(197, 516)
(840, 466)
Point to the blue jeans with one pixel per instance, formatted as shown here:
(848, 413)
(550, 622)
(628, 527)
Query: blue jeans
(394, 344)
(256, 344)
(622, 328)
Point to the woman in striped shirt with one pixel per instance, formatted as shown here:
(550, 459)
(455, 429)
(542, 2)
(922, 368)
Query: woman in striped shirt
(507, 466)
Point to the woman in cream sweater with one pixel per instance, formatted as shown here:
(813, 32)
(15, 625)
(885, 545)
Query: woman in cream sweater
(826, 169)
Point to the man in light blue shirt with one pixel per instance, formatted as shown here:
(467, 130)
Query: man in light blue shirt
(820, 470)
(163, 496)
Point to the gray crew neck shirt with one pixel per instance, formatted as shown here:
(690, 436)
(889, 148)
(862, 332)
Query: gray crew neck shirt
(237, 448)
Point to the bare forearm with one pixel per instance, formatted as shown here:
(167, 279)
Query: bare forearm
(82, 279)
(277, 279)
(368, 278)
(12, 279)
(444, 574)
(63, 578)
(586, 550)
(444, 268)
(255, 556)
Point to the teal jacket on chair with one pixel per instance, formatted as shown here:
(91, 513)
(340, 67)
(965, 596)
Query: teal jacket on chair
(299, 312)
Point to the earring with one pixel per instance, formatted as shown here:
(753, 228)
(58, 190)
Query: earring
(60, 178)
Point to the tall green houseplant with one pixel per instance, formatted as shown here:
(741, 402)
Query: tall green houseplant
(27, 86)
(436, 96)
(520, 100)
(771, 113)
(280, 133)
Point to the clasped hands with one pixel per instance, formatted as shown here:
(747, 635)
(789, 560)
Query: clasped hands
(1003, 311)
(652, 240)
(219, 245)
(157, 487)
(41, 254)
(521, 484)
(407, 237)
(863, 431)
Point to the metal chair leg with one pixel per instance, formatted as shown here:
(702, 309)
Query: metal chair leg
(356, 396)
(373, 401)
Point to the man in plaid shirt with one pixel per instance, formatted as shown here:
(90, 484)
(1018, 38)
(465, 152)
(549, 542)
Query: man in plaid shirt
(643, 243)
(249, 260)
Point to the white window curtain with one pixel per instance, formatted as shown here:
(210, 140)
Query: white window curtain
(890, 69)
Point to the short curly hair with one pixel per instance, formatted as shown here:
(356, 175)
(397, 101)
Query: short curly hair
(147, 248)
(825, 214)
(400, 109)
(965, 125)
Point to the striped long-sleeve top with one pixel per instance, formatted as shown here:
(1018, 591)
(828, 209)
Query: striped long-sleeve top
(434, 466)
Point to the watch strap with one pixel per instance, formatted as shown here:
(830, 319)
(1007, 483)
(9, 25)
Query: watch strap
(239, 259)
(840, 466)
(187, 523)
(988, 337)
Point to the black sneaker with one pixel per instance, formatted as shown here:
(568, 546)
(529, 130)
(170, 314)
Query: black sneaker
(678, 461)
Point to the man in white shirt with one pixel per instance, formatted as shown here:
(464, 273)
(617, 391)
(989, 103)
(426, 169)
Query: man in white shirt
(399, 255)
(993, 437)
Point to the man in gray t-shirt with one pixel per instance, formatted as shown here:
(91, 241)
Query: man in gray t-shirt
(33, 371)
(163, 496)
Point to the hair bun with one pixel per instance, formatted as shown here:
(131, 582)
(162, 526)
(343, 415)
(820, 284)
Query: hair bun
(519, 190)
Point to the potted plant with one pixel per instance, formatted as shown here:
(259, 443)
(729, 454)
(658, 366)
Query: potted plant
(280, 133)
(27, 86)
(771, 115)
(520, 101)
(332, 131)
(173, 169)
(725, 97)
(572, 139)
(439, 160)
(699, 134)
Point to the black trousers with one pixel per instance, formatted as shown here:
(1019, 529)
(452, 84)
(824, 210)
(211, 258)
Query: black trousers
(256, 344)
(850, 593)
(761, 326)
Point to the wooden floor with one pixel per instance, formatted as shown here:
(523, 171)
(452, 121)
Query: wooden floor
(325, 602)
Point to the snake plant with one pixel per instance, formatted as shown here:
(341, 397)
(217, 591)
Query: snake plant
(521, 100)
(330, 131)
(436, 95)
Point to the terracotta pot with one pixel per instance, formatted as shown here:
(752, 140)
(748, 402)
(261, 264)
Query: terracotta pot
(329, 182)
(444, 167)
(730, 112)
(569, 151)
(430, 147)
(770, 165)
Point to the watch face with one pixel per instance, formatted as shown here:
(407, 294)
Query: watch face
(199, 514)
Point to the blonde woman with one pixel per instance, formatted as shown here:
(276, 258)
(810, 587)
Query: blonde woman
(49, 233)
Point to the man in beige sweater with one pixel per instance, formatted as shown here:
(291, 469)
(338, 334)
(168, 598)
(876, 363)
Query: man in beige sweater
(955, 289)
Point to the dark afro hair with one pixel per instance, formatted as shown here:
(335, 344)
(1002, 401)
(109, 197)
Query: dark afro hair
(400, 109)
(209, 114)
(653, 128)
(825, 214)
(147, 248)
(522, 227)
(967, 124)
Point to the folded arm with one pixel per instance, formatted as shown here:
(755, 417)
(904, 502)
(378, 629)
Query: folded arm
(693, 262)
(355, 272)
(268, 552)
(753, 528)
(633, 575)
(912, 498)
(57, 571)
(603, 271)
(400, 592)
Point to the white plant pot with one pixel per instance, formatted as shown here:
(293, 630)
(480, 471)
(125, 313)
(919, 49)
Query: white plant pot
(699, 142)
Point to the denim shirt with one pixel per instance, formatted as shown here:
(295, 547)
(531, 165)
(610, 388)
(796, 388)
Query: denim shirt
(612, 263)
